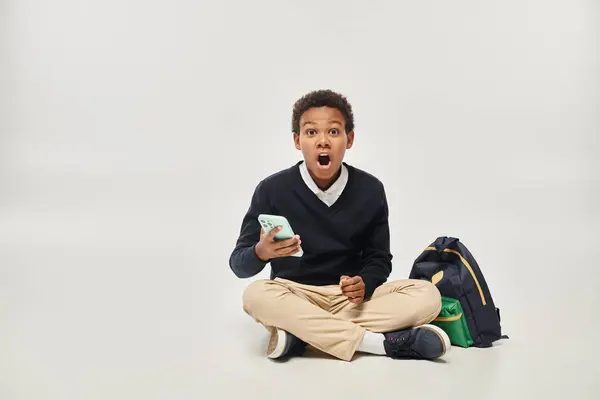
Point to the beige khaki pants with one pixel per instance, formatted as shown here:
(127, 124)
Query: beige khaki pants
(324, 318)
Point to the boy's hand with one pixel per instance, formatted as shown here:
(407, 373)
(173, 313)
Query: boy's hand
(353, 288)
(268, 248)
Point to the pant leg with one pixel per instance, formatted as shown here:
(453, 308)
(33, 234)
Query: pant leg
(302, 310)
(394, 305)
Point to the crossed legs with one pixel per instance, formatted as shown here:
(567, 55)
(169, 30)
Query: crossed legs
(323, 317)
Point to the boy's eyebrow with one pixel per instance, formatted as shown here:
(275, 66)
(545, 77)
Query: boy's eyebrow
(332, 121)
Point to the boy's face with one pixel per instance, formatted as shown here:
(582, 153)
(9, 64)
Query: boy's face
(323, 141)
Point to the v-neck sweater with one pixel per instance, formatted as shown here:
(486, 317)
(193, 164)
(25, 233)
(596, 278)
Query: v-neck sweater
(350, 237)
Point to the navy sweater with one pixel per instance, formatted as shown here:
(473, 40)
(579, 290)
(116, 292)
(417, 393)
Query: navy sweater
(349, 238)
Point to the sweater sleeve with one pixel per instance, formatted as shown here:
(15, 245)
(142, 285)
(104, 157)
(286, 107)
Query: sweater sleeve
(243, 260)
(377, 259)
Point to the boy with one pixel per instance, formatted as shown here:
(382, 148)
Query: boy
(335, 297)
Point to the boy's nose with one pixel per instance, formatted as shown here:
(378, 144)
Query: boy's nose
(323, 141)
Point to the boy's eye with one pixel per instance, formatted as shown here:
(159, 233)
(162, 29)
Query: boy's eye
(311, 132)
(334, 131)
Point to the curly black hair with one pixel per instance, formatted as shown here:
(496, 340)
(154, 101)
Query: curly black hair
(321, 98)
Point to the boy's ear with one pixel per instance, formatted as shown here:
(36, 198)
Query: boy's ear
(296, 140)
(350, 140)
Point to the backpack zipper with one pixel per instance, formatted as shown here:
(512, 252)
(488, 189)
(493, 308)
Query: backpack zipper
(449, 319)
(466, 263)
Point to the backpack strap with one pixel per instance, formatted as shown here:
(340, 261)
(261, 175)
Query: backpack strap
(498, 312)
(443, 242)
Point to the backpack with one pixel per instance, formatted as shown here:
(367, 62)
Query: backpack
(468, 313)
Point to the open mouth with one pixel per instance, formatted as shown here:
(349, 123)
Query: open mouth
(324, 160)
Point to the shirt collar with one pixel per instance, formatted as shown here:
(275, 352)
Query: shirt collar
(335, 189)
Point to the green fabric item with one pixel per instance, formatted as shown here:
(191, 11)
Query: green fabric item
(452, 321)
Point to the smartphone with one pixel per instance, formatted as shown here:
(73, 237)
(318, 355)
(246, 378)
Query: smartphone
(269, 222)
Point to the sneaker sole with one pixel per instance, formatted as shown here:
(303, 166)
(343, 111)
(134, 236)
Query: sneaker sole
(276, 343)
(443, 337)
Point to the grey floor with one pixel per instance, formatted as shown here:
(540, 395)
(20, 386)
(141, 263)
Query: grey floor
(106, 298)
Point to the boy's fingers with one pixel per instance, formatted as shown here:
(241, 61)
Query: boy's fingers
(288, 251)
(353, 293)
(350, 281)
(288, 242)
(294, 250)
(351, 288)
(273, 232)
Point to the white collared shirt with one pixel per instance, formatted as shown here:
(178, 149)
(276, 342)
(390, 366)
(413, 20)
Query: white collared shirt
(330, 195)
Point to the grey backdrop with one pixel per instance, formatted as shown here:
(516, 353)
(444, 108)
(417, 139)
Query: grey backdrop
(132, 134)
